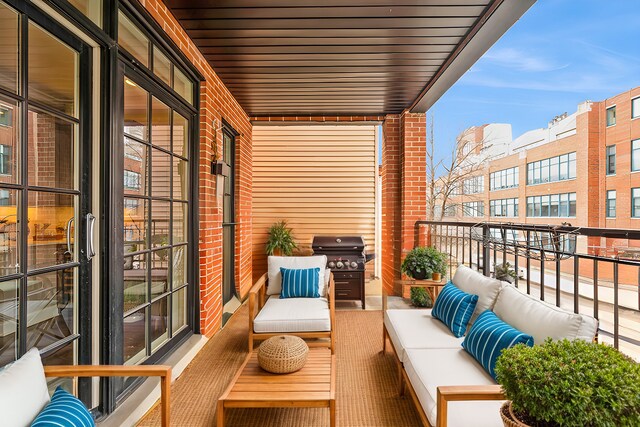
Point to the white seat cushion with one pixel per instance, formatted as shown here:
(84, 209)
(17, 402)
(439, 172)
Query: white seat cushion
(475, 283)
(542, 320)
(428, 369)
(294, 262)
(410, 329)
(293, 315)
(23, 390)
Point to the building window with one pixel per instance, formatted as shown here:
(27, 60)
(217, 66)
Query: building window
(506, 178)
(611, 203)
(635, 107)
(552, 205)
(473, 209)
(473, 185)
(611, 116)
(6, 116)
(5, 198)
(5, 160)
(553, 169)
(635, 155)
(635, 202)
(504, 207)
(611, 160)
(131, 180)
(450, 211)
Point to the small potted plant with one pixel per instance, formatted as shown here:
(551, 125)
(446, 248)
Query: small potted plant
(505, 271)
(569, 384)
(280, 240)
(423, 262)
(421, 298)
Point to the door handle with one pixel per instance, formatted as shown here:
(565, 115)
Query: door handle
(68, 252)
(91, 221)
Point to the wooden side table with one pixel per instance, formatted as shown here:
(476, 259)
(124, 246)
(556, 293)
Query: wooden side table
(431, 286)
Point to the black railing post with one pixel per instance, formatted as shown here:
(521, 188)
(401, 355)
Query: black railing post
(486, 250)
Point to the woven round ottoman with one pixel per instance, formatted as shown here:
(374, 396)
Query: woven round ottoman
(283, 354)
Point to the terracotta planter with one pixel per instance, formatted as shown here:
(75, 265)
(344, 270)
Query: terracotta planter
(436, 277)
(509, 419)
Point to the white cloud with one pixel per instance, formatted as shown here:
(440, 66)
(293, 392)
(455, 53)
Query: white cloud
(520, 61)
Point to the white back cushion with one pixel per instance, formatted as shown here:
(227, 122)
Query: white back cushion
(542, 320)
(473, 282)
(23, 390)
(275, 262)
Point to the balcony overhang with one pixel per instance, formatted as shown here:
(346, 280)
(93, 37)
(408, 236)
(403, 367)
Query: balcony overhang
(319, 57)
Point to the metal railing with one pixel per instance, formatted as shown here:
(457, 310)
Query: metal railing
(595, 271)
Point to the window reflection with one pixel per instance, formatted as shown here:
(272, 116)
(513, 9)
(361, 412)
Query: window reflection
(8, 48)
(136, 116)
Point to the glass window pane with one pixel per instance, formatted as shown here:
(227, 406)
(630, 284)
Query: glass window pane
(8, 48)
(635, 155)
(180, 135)
(635, 107)
(92, 9)
(135, 337)
(159, 323)
(8, 320)
(160, 211)
(50, 215)
(611, 116)
(52, 151)
(136, 114)
(9, 141)
(182, 85)
(161, 66)
(179, 266)
(181, 179)
(159, 272)
(135, 280)
(178, 310)
(136, 212)
(160, 132)
(160, 174)
(50, 308)
(132, 39)
(9, 233)
(136, 166)
(180, 222)
(53, 72)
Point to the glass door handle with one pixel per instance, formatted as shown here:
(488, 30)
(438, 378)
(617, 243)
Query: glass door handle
(68, 252)
(91, 221)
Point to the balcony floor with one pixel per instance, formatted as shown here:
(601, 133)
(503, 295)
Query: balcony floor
(366, 381)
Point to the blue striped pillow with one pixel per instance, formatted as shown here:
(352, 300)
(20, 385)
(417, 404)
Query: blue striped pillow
(300, 283)
(64, 410)
(489, 336)
(454, 308)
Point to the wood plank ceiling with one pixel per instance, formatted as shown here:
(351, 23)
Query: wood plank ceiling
(292, 57)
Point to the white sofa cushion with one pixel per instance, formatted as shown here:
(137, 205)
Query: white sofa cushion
(23, 390)
(540, 319)
(294, 262)
(473, 282)
(428, 369)
(410, 329)
(293, 315)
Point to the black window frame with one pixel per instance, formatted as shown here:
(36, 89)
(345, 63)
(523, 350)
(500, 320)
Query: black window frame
(635, 155)
(610, 154)
(610, 119)
(610, 209)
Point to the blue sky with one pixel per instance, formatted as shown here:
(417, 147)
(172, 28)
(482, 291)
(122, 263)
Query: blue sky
(561, 53)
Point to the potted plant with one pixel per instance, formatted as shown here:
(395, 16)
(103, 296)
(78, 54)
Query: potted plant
(422, 262)
(280, 240)
(505, 271)
(569, 384)
(421, 298)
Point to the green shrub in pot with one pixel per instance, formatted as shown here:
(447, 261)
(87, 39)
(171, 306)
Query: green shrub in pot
(280, 240)
(420, 297)
(422, 261)
(570, 384)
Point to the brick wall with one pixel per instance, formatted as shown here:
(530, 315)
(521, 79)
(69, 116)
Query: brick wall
(216, 103)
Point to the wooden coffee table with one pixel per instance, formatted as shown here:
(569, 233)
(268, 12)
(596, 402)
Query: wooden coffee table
(313, 386)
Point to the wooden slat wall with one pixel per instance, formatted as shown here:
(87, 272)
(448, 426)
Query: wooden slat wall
(321, 179)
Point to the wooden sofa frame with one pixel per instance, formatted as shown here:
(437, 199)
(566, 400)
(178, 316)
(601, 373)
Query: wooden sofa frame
(257, 299)
(162, 371)
(446, 394)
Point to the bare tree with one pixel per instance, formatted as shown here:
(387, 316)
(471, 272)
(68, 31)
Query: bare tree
(446, 177)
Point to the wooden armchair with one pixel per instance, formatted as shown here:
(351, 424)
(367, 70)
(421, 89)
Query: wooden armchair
(257, 301)
(164, 372)
(459, 393)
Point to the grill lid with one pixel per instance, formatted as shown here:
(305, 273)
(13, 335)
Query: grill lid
(337, 243)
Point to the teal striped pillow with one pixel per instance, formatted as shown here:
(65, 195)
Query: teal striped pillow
(489, 336)
(300, 283)
(64, 410)
(454, 308)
